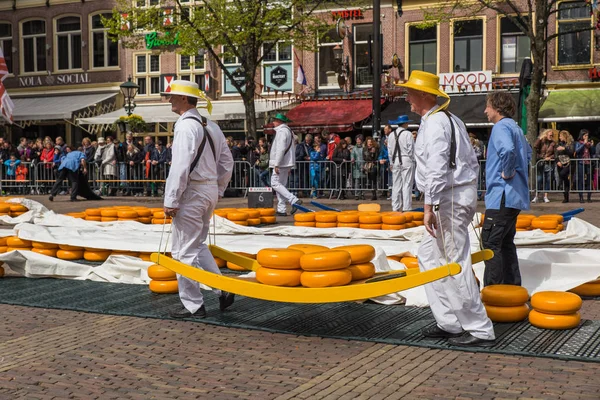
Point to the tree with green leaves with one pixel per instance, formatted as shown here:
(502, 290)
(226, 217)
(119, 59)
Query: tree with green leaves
(247, 30)
(532, 18)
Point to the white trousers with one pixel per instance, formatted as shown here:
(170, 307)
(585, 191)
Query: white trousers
(278, 182)
(455, 301)
(402, 184)
(190, 229)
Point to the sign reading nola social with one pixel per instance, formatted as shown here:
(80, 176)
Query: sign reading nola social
(279, 76)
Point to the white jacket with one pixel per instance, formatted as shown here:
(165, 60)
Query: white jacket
(405, 143)
(279, 157)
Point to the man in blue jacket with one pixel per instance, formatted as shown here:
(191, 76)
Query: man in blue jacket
(508, 156)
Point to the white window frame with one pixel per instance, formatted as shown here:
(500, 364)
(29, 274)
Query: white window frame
(69, 35)
(34, 37)
(107, 41)
(483, 40)
(8, 50)
(148, 75)
(326, 44)
(147, 3)
(193, 71)
(275, 62)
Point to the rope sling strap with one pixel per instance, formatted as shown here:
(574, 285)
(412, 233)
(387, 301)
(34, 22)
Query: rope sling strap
(204, 123)
(452, 141)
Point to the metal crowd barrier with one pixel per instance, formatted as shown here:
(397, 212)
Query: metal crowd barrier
(582, 176)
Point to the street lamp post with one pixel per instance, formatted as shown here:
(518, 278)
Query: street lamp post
(129, 90)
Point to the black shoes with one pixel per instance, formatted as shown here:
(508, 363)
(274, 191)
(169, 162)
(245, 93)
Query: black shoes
(294, 208)
(280, 214)
(468, 340)
(225, 300)
(51, 198)
(184, 313)
(438, 333)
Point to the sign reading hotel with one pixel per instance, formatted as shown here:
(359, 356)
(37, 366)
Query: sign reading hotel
(466, 82)
(153, 40)
(64, 79)
(347, 14)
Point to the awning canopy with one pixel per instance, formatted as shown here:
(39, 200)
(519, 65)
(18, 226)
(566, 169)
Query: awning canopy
(335, 115)
(59, 107)
(571, 106)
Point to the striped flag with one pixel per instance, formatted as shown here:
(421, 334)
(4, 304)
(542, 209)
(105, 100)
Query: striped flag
(301, 76)
(3, 66)
(6, 105)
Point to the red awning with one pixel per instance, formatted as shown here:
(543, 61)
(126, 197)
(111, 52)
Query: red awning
(335, 115)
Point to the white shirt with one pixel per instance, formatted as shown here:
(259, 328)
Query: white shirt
(432, 152)
(279, 157)
(188, 135)
(405, 142)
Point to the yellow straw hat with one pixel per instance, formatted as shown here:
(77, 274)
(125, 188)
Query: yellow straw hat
(191, 89)
(426, 82)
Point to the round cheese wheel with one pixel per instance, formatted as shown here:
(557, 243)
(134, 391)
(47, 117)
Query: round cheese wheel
(161, 221)
(220, 262)
(304, 217)
(372, 207)
(370, 226)
(18, 208)
(394, 218)
(235, 267)
(538, 223)
(14, 241)
(279, 258)
(109, 213)
(160, 273)
(143, 212)
(348, 225)
(308, 248)
(76, 214)
(369, 219)
(3, 240)
(322, 279)
(69, 254)
(507, 314)
(553, 231)
(416, 215)
(387, 227)
(304, 224)
(237, 216)
(359, 253)
(418, 223)
(144, 220)
(127, 214)
(554, 321)
(42, 245)
(325, 260)
(145, 256)
(70, 248)
(411, 225)
(93, 218)
(556, 302)
(253, 221)
(267, 212)
(410, 262)
(4, 208)
(279, 277)
(242, 223)
(409, 217)
(9, 249)
(326, 217)
(158, 215)
(559, 218)
(589, 289)
(268, 219)
(252, 212)
(108, 219)
(560, 227)
(523, 223)
(504, 295)
(325, 224)
(46, 252)
(163, 286)
(3, 249)
(347, 218)
(523, 229)
(362, 271)
(156, 209)
(96, 255)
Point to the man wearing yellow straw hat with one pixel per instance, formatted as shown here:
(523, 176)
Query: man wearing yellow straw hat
(446, 174)
(201, 169)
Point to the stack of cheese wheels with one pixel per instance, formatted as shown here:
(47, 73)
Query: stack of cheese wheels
(47, 249)
(267, 215)
(5, 209)
(253, 216)
(325, 219)
(410, 223)
(93, 214)
(505, 303)
(279, 267)
(588, 289)
(14, 243)
(326, 268)
(348, 219)
(370, 220)
(361, 256)
(163, 280)
(306, 220)
(555, 310)
(393, 221)
(17, 209)
(524, 222)
(97, 255)
(3, 246)
(236, 267)
(417, 217)
(159, 218)
(108, 214)
(127, 214)
(144, 214)
(238, 217)
(549, 223)
(67, 252)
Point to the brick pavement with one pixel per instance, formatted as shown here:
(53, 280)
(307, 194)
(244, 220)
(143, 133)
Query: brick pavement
(54, 354)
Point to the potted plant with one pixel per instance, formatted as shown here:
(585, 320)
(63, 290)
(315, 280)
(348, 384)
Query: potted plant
(133, 123)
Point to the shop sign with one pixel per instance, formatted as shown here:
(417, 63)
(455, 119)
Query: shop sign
(279, 76)
(153, 41)
(64, 79)
(347, 14)
(472, 81)
(594, 74)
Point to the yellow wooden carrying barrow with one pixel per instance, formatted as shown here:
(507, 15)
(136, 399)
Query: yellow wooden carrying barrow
(382, 284)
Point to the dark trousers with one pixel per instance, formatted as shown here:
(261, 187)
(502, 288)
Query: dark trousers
(498, 234)
(73, 177)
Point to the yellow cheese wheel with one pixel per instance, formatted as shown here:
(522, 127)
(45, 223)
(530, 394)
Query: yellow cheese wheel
(109, 213)
(145, 256)
(4, 208)
(523, 223)
(538, 223)
(409, 217)
(70, 248)
(554, 321)
(587, 289)
(161, 221)
(163, 286)
(18, 208)
(278, 277)
(160, 273)
(325, 224)
(220, 262)
(9, 249)
(369, 219)
(252, 212)
(326, 217)
(108, 219)
(410, 262)
(326, 260)
(253, 221)
(560, 227)
(553, 231)
(506, 314)
(559, 218)
(268, 219)
(394, 218)
(556, 302)
(347, 218)
(16, 214)
(96, 255)
(127, 214)
(504, 295)
(321, 279)
(304, 217)
(523, 229)
(267, 212)
(14, 241)
(42, 245)
(373, 207)
(242, 223)
(370, 226)
(76, 214)
(69, 254)
(143, 212)
(359, 253)
(418, 223)
(93, 218)
(144, 220)
(304, 224)
(235, 267)
(362, 271)
(3, 240)
(3, 249)
(158, 215)
(237, 216)
(279, 258)
(46, 252)
(308, 248)
(388, 227)
(348, 225)
(416, 215)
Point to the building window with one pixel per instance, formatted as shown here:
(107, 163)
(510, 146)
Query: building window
(105, 52)
(233, 65)
(33, 45)
(329, 67)
(574, 48)
(278, 73)
(147, 3)
(515, 47)
(468, 45)
(362, 63)
(147, 73)
(422, 50)
(191, 68)
(6, 44)
(68, 43)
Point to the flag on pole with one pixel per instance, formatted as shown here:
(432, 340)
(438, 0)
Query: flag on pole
(301, 78)
(6, 105)
(3, 66)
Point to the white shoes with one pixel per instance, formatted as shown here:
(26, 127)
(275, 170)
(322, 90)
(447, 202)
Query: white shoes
(534, 200)
(546, 200)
